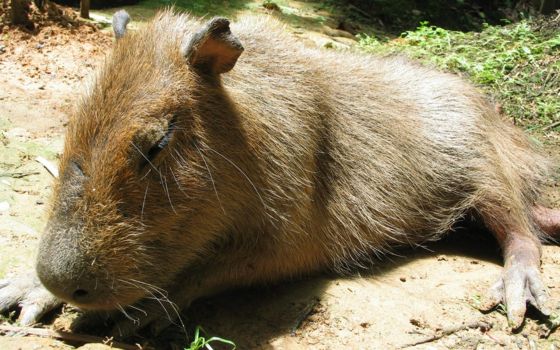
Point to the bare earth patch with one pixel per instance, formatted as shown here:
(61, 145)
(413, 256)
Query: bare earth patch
(417, 296)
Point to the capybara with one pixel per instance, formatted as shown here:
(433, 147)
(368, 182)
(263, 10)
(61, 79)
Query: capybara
(203, 158)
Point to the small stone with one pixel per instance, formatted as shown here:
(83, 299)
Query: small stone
(2, 48)
(315, 334)
(39, 201)
(402, 279)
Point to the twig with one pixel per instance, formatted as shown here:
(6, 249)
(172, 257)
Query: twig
(302, 316)
(484, 326)
(19, 175)
(66, 336)
(48, 165)
(552, 126)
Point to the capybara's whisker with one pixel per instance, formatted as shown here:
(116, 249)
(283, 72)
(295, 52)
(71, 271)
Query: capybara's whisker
(123, 311)
(151, 289)
(144, 202)
(211, 177)
(242, 172)
(138, 309)
(166, 189)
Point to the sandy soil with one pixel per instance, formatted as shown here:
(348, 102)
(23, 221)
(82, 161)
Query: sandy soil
(405, 299)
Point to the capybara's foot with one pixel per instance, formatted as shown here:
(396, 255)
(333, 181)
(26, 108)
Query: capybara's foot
(28, 294)
(548, 220)
(520, 283)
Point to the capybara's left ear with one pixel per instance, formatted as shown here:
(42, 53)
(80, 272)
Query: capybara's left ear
(120, 21)
(213, 49)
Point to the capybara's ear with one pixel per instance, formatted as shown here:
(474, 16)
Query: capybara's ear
(120, 21)
(213, 49)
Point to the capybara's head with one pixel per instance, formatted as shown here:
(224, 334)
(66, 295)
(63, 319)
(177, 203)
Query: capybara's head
(134, 203)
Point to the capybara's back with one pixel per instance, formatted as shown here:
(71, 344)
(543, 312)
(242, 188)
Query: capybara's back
(360, 152)
(205, 157)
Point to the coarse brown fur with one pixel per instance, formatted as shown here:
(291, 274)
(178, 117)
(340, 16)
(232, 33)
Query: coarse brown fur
(295, 161)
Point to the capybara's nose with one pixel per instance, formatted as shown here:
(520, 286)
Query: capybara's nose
(66, 273)
(85, 295)
(80, 295)
(75, 287)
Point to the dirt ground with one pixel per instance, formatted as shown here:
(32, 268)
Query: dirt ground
(407, 298)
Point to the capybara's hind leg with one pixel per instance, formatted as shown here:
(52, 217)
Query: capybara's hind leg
(548, 220)
(521, 280)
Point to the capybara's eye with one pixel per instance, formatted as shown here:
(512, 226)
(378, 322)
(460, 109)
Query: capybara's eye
(76, 168)
(161, 143)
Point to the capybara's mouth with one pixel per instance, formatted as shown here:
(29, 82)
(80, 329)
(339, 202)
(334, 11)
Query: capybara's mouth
(114, 300)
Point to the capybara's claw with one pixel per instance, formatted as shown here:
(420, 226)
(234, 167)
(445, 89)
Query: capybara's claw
(28, 294)
(518, 286)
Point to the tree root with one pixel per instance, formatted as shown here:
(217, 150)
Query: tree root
(482, 325)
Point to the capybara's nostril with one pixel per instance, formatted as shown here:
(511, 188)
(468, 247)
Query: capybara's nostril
(80, 295)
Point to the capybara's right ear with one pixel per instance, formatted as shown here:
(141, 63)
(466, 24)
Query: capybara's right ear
(213, 49)
(120, 21)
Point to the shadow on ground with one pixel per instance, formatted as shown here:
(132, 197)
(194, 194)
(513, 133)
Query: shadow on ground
(271, 317)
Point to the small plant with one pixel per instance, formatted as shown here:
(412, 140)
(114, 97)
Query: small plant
(199, 342)
(516, 63)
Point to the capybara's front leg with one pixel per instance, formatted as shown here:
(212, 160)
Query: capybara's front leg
(521, 280)
(25, 292)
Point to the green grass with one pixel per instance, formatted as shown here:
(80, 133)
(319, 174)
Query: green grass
(518, 64)
(199, 342)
